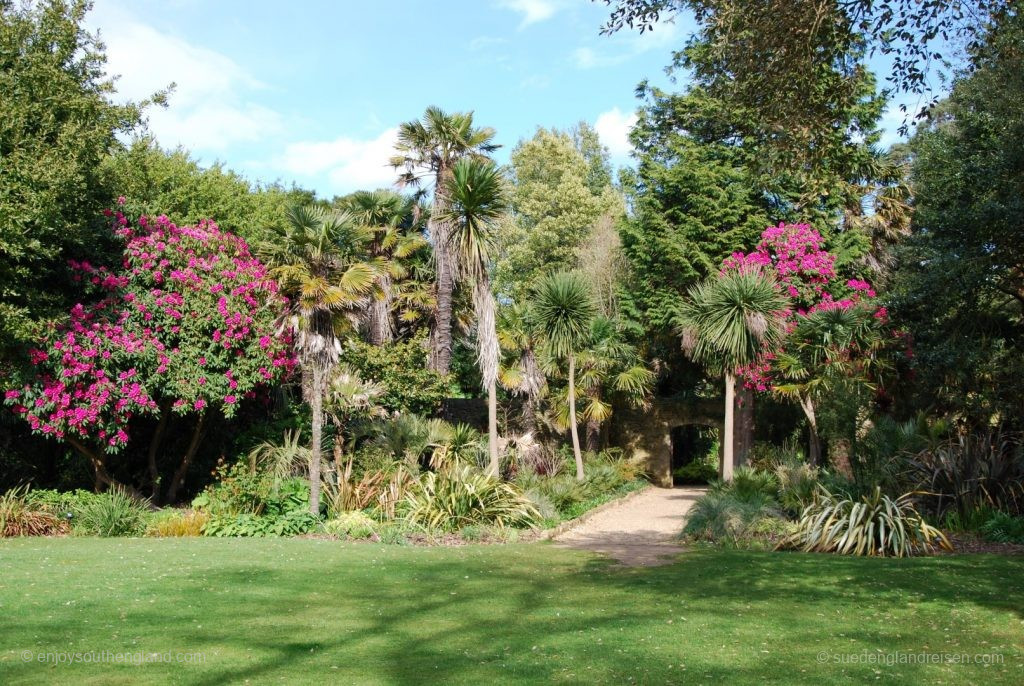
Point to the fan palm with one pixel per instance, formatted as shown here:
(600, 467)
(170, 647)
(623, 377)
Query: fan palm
(390, 218)
(428, 149)
(726, 323)
(522, 374)
(317, 260)
(609, 365)
(563, 309)
(476, 200)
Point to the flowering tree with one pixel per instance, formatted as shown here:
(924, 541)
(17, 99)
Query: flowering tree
(186, 325)
(835, 328)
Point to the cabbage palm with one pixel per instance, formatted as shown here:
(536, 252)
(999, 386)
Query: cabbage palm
(428, 149)
(388, 216)
(725, 324)
(477, 200)
(317, 260)
(563, 310)
(825, 348)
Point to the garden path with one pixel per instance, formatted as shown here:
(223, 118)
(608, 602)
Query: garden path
(641, 531)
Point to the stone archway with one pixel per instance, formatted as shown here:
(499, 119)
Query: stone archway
(647, 433)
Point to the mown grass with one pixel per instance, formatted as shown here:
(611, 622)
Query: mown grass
(313, 611)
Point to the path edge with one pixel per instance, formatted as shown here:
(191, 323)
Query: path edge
(565, 527)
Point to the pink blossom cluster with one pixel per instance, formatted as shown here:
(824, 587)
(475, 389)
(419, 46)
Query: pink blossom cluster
(806, 272)
(189, 321)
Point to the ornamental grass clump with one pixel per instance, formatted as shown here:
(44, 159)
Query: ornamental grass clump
(18, 517)
(449, 501)
(874, 525)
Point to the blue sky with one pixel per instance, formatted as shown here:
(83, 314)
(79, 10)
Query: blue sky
(311, 91)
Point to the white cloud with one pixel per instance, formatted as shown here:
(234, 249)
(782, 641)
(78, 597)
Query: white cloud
(613, 127)
(348, 163)
(533, 11)
(587, 58)
(208, 110)
(623, 47)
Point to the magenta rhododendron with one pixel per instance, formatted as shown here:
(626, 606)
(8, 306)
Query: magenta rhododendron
(793, 253)
(186, 322)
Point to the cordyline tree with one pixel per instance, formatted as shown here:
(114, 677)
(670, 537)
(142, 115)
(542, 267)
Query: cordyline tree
(185, 326)
(835, 328)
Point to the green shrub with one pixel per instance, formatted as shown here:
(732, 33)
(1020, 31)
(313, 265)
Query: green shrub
(247, 524)
(1002, 527)
(798, 483)
(241, 488)
(60, 503)
(113, 513)
(545, 508)
(721, 517)
(871, 525)
(696, 472)
(602, 478)
(450, 500)
(477, 533)
(354, 525)
(749, 484)
(176, 523)
(563, 491)
(20, 517)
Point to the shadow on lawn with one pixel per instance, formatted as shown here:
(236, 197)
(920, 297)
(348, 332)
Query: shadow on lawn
(428, 616)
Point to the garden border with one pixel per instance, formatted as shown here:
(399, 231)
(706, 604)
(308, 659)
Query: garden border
(558, 530)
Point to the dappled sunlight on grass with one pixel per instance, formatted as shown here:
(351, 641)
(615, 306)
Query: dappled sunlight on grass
(304, 611)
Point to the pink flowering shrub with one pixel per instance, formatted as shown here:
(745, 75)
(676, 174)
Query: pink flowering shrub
(185, 323)
(807, 273)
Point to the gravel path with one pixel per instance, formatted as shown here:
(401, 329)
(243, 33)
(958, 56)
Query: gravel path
(642, 531)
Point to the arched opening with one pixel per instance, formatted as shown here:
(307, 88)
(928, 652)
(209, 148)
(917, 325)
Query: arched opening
(695, 453)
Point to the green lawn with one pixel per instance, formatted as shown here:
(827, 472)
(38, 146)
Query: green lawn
(308, 611)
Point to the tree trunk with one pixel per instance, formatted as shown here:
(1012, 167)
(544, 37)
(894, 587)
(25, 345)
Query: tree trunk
(572, 419)
(379, 316)
(492, 428)
(814, 440)
(102, 477)
(186, 461)
(317, 405)
(593, 436)
(744, 424)
(727, 430)
(154, 449)
(441, 331)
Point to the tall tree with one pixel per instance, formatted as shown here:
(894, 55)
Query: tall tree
(476, 201)
(726, 323)
(768, 60)
(959, 285)
(429, 149)
(563, 308)
(319, 261)
(559, 192)
(57, 122)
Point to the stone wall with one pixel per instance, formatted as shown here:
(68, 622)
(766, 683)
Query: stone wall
(646, 433)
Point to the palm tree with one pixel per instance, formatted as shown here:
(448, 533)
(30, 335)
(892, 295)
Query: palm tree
(522, 375)
(826, 348)
(563, 309)
(390, 218)
(725, 324)
(609, 365)
(429, 148)
(317, 259)
(477, 199)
